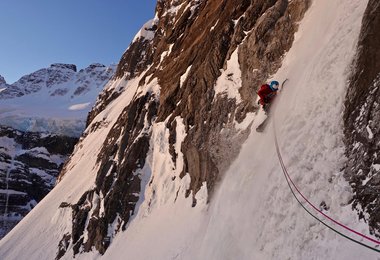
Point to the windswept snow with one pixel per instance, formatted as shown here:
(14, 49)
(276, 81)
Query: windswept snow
(370, 133)
(253, 214)
(229, 81)
(13, 192)
(146, 32)
(80, 106)
(184, 76)
(56, 221)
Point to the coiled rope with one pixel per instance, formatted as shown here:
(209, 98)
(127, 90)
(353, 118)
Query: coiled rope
(291, 183)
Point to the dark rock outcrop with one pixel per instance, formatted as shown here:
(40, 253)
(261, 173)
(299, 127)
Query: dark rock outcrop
(264, 31)
(203, 35)
(2, 81)
(362, 121)
(64, 66)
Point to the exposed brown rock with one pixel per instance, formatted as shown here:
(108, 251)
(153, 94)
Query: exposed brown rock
(201, 34)
(362, 121)
(120, 159)
(271, 35)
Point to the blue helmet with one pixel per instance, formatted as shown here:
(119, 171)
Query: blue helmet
(274, 85)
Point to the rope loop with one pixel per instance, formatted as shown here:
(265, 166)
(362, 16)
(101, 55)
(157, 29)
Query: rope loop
(291, 183)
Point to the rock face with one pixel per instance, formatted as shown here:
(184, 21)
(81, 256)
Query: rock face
(29, 165)
(185, 48)
(2, 81)
(362, 121)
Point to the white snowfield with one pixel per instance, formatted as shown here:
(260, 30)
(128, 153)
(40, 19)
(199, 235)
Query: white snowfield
(58, 106)
(253, 214)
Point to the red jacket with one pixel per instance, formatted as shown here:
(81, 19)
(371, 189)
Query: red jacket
(266, 94)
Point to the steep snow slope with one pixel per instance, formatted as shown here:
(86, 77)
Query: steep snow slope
(51, 217)
(271, 225)
(252, 215)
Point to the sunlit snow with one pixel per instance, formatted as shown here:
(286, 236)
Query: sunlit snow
(252, 214)
(80, 106)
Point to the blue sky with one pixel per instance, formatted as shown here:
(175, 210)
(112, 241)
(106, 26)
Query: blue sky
(37, 33)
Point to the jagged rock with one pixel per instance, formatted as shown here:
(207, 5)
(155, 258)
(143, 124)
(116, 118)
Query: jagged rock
(64, 66)
(2, 80)
(57, 74)
(272, 36)
(362, 121)
(63, 245)
(203, 35)
(116, 177)
(271, 24)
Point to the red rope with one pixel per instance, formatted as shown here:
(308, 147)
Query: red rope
(308, 202)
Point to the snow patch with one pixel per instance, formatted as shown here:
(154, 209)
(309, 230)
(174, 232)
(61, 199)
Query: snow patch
(250, 117)
(364, 182)
(229, 81)
(80, 106)
(370, 133)
(184, 76)
(376, 167)
(146, 32)
(213, 27)
(12, 192)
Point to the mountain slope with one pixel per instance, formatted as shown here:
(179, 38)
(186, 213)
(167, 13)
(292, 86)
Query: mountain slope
(149, 160)
(29, 166)
(42, 116)
(55, 99)
(253, 215)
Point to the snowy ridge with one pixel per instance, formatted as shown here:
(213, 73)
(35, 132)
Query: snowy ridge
(147, 31)
(55, 99)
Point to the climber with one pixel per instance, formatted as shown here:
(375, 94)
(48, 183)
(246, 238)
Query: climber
(267, 93)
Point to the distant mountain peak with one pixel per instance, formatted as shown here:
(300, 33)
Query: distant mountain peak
(96, 65)
(61, 87)
(2, 80)
(64, 66)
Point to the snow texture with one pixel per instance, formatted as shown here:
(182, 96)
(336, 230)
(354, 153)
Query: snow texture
(146, 32)
(184, 76)
(230, 80)
(253, 214)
